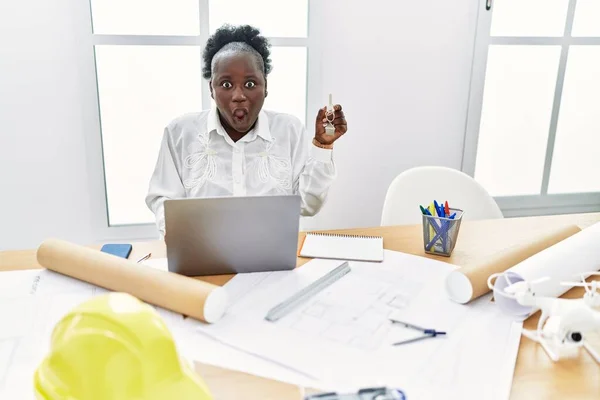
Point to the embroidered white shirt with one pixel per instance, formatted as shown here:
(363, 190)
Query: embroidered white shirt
(197, 158)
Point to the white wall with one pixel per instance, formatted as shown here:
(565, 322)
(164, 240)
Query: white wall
(400, 68)
(43, 179)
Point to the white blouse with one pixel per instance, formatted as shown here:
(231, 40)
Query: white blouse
(197, 158)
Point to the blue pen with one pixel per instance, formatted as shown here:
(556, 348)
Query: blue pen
(434, 226)
(437, 208)
(447, 229)
(432, 223)
(439, 234)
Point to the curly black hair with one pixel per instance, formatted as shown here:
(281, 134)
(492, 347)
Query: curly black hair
(247, 36)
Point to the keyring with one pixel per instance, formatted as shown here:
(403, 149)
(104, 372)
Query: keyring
(330, 117)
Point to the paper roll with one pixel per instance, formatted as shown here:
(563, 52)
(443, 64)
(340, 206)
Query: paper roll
(174, 292)
(565, 261)
(468, 283)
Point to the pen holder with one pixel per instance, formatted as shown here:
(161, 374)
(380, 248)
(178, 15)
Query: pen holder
(440, 234)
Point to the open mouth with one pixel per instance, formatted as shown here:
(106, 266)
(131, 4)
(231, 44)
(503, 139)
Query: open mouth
(240, 115)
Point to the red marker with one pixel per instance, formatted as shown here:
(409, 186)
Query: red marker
(447, 209)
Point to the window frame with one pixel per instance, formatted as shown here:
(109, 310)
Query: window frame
(542, 203)
(91, 117)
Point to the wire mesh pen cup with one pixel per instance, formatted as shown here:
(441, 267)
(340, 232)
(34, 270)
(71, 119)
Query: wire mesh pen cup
(440, 234)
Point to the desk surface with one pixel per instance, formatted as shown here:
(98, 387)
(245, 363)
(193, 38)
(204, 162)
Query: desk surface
(535, 375)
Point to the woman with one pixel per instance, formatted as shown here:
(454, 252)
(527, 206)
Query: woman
(237, 148)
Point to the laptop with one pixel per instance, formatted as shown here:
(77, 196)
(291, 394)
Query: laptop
(228, 235)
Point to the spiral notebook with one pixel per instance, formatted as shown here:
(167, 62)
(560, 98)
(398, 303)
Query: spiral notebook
(342, 247)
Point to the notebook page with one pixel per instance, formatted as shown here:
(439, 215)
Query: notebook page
(343, 247)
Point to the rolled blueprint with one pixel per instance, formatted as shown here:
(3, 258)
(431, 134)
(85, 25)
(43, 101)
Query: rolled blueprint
(576, 256)
(468, 283)
(188, 296)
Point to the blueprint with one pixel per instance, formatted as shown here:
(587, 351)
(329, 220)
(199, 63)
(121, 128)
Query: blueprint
(356, 311)
(345, 330)
(32, 302)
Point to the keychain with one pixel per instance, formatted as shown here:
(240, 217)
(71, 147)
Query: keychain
(330, 115)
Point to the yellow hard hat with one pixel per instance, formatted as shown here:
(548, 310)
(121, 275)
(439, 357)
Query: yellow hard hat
(114, 347)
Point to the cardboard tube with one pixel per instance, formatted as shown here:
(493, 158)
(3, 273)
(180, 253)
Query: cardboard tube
(468, 283)
(174, 292)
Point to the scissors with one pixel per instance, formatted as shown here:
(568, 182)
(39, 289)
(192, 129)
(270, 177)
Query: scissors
(427, 333)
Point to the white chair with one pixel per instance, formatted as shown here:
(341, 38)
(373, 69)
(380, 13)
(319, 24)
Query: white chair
(421, 185)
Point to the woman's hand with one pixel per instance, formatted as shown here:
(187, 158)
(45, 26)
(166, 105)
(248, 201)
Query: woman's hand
(339, 122)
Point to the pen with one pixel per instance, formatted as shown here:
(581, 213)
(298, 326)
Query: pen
(147, 256)
(437, 208)
(283, 308)
(432, 230)
(447, 208)
(443, 225)
(438, 235)
(432, 209)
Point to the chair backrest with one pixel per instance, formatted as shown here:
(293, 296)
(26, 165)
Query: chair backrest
(421, 185)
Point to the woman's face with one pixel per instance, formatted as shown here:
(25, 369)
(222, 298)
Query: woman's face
(238, 87)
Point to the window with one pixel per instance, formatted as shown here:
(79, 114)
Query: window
(533, 128)
(148, 58)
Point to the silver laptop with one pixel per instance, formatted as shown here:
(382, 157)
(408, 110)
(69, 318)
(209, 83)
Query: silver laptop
(227, 235)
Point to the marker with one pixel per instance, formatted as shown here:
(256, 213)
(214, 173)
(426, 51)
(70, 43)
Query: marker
(432, 222)
(437, 208)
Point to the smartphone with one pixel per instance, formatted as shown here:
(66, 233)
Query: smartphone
(119, 250)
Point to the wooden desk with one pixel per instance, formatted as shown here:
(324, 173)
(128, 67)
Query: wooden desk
(536, 377)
